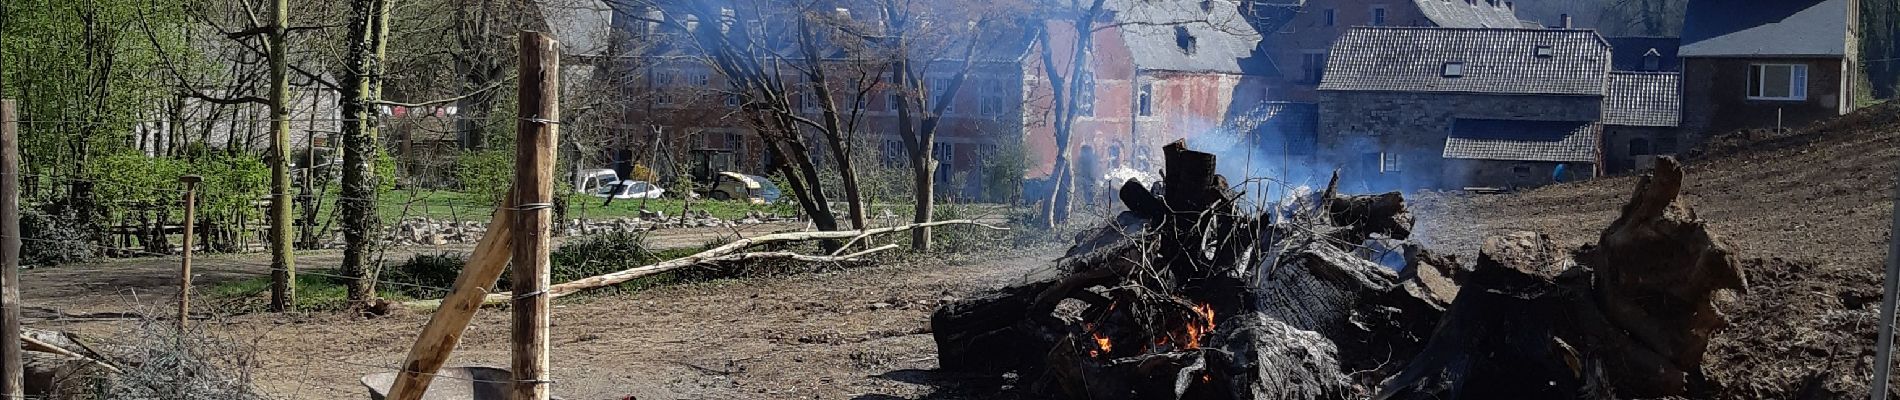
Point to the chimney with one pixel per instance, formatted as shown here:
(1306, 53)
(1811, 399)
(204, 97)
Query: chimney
(1566, 21)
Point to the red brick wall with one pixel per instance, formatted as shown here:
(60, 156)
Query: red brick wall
(1110, 127)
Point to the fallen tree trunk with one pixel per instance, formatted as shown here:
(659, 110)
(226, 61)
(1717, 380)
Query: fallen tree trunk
(730, 252)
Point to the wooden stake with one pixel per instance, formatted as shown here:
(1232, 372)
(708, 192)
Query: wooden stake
(184, 262)
(283, 263)
(1883, 345)
(444, 331)
(12, 376)
(535, 136)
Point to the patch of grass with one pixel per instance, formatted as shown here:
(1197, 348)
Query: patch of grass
(314, 293)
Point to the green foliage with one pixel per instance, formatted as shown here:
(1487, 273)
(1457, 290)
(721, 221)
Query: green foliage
(57, 239)
(422, 275)
(324, 290)
(485, 172)
(87, 71)
(232, 182)
(1003, 173)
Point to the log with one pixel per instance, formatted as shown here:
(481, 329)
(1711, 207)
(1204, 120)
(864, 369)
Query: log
(721, 253)
(444, 331)
(1505, 336)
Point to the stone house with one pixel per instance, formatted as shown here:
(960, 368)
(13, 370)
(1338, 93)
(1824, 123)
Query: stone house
(1301, 47)
(1641, 114)
(1405, 108)
(1766, 63)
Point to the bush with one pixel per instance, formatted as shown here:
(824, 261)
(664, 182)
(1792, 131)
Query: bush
(418, 276)
(52, 239)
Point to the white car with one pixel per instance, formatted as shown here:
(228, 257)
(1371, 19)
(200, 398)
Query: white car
(630, 189)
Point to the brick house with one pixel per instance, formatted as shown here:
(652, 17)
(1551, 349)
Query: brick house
(1155, 80)
(1762, 63)
(1404, 108)
(1151, 79)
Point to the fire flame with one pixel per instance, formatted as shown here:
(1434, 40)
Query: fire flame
(1198, 329)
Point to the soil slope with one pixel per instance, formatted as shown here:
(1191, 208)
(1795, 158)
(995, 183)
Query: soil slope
(1809, 210)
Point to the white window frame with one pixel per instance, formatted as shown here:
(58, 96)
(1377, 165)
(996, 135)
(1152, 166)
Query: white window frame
(1797, 81)
(698, 77)
(1377, 15)
(1145, 100)
(1332, 17)
(992, 103)
(1454, 69)
(938, 87)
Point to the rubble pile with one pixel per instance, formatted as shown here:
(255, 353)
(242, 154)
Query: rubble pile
(1187, 296)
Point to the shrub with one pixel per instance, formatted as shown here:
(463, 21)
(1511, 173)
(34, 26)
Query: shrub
(418, 276)
(53, 239)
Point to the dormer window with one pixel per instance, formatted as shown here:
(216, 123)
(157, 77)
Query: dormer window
(1454, 69)
(1542, 51)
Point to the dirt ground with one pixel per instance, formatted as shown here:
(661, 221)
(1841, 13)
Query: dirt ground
(857, 333)
(1807, 210)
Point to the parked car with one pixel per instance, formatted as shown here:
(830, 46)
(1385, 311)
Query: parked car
(734, 186)
(630, 189)
(593, 181)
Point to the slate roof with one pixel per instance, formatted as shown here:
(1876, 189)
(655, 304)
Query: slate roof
(1498, 61)
(1190, 36)
(1627, 52)
(1643, 99)
(1463, 14)
(1521, 140)
(1743, 28)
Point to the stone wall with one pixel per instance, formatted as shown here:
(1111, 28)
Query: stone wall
(1715, 96)
(1356, 128)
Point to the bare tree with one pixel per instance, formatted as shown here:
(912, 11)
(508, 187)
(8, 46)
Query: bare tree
(957, 38)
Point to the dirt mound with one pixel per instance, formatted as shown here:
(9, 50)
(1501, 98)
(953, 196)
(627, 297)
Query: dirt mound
(1810, 211)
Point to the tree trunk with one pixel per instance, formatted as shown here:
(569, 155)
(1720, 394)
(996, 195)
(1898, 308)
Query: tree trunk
(283, 262)
(358, 200)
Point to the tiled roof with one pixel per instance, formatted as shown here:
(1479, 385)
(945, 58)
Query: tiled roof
(1468, 14)
(1731, 28)
(1643, 99)
(1627, 52)
(1501, 61)
(1190, 36)
(1520, 140)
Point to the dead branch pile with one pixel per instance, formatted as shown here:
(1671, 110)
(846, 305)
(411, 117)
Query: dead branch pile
(1186, 296)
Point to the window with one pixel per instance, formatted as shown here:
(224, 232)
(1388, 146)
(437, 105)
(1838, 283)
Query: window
(1085, 94)
(698, 77)
(1145, 104)
(1640, 147)
(1332, 17)
(1454, 69)
(1378, 16)
(1389, 162)
(946, 156)
(994, 104)
(891, 100)
(1652, 60)
(938, 87)
(1522, 171)
(1778, 82)
(892, 151)
(1313, 65)
(808, 100)
(1542, 51)
(732, 100)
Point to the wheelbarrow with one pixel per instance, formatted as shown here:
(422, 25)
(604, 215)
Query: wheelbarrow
(453, 383)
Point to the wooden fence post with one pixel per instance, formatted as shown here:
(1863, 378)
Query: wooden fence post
(12, 376)
(1890, 295)
(184, 262)
(535, 135)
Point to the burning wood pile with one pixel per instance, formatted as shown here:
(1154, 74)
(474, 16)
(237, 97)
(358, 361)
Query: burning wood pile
(1186, 295)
